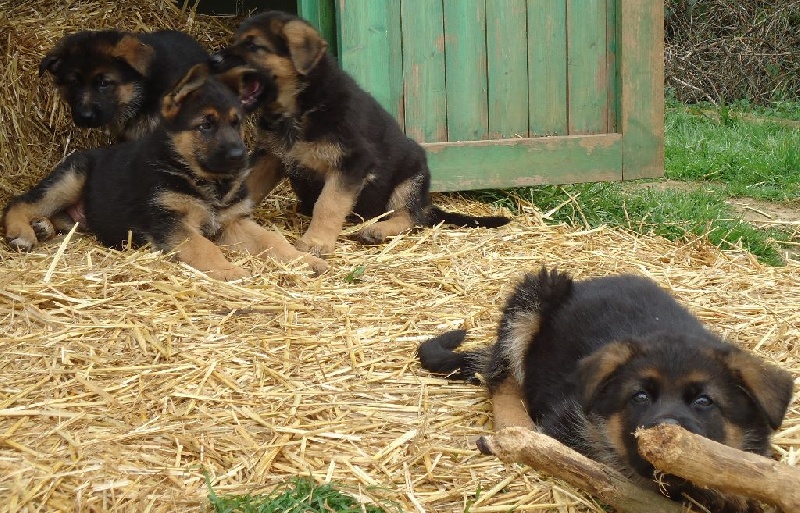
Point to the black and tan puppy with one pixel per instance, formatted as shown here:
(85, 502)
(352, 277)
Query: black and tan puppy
(343, 153)
(180, 188)
(116, 79)
(590, 362)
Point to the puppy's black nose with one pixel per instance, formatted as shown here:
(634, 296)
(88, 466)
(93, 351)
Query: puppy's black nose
(236, 153)
(217, 58)
(86, 117)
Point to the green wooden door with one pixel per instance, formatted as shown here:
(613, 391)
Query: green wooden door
(506, 93)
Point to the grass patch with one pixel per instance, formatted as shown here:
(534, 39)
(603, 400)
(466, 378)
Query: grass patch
(737, 151)
(672, 214)
(303, 495)
(752, 157)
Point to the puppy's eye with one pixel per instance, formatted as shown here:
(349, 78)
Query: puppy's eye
(703, 401)
(640, 397)
(205, 127)
(235, 122)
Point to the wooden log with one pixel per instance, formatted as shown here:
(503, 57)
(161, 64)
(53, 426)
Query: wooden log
(545, 454)
(707, 463)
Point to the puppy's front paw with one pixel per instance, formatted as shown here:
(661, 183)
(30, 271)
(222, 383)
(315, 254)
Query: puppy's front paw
(318, 265)
(315, 246)
(21, 237)
(371, 235)
(228, 274)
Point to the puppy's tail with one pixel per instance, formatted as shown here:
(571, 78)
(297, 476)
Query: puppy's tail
(436, 215)
(438, 355)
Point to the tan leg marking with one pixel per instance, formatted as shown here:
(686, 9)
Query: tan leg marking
(335, 202)
(204, 255)
(19, 218)
(244, 234)
(264, 176)
(509, 406)
(397, 223)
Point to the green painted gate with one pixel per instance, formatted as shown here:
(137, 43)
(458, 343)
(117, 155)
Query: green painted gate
(506, 93)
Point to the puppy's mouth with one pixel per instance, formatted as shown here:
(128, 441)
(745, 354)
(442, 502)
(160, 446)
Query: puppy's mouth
(251, 93)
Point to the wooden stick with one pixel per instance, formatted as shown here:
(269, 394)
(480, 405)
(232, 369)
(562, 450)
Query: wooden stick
(710, 464)
(545, 454)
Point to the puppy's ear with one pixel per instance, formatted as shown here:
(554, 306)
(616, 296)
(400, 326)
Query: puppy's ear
(595, 370)
(50, 63)
(769, 386)
(137, 54)
(191, 82)
(306, 46)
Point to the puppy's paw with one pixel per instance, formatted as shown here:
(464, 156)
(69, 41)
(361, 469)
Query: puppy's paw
(318, 265)
(370, 235)
(228, 274)
(21, 237)
(315, 246)
(43, 228)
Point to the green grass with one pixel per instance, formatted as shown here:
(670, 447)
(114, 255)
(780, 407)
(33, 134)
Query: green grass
(737, 151)
(745, 153)
(303, 495)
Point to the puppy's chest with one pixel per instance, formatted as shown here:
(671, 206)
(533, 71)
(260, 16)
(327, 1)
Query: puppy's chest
(284, 137)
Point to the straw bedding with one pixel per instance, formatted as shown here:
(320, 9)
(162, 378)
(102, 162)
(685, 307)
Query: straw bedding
(125, 376)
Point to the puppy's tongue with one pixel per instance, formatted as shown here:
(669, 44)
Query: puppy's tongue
(250, 91)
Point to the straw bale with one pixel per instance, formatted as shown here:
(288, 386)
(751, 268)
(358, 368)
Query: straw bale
(124, 375)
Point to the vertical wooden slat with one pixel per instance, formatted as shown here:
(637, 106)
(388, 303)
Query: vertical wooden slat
(465, 68)
(366, 48)
(423, 66)
(321, 14)
(642, 83)
(547, 67)
(507, 53)
(612, 64)
(395, 59)
(587, 74)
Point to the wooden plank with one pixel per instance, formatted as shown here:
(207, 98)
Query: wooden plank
(425, 97)
(502, 163)
(612, 64)
(395, 61)
(465, 68)
(365, 48)
(321, 14)
(507, 45)
(642, 83)
(547, 67)
(587, 74)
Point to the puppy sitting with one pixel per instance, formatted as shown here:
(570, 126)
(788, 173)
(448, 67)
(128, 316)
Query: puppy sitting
(116, 79)
(343, 153)
(590, 362)
(178, 188)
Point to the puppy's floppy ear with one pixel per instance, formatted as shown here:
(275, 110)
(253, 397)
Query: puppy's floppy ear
(192, 81)
(137, 54)
(306, 46)
(769, 386)
(50, 63)
(595, 370)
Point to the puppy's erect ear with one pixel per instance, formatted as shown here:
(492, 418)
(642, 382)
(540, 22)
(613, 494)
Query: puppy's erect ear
(306, 46)
(191, 82)
(137, 54)
(595, 369)
(769, 386)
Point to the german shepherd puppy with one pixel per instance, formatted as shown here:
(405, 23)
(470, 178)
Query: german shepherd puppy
(589, 362)
(116, 79)
(179, 188)
(343, 153)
